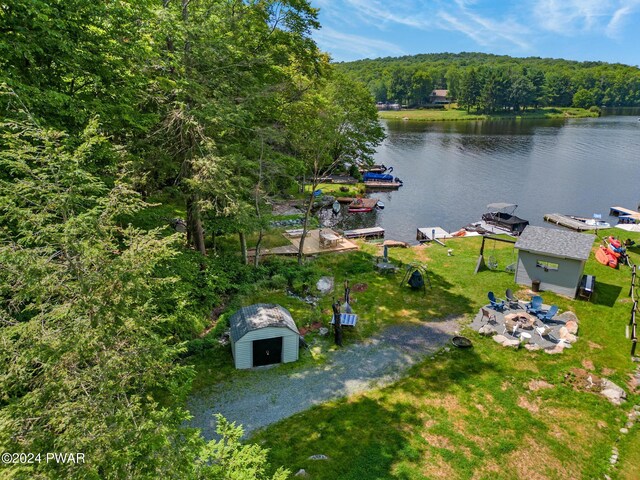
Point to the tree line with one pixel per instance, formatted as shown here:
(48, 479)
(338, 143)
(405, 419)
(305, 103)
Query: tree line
(216, 105)
(491, 83)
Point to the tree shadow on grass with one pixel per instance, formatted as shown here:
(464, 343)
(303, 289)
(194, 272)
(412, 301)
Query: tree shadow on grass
(606, 294)
(370, 436)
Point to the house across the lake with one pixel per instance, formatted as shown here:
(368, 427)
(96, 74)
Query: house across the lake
(439, 97)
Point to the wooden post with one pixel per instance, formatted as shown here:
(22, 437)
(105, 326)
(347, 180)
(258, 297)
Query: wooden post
(337, 324)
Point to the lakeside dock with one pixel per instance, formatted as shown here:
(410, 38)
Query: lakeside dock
(568, 222)
(373, 232)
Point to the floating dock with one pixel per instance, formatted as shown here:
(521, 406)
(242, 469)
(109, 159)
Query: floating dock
(435, 234)
(624, 212)
(568, 222)
(376, 185)
(373, 232)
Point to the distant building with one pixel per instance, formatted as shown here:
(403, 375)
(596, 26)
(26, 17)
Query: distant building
(439, 97)
(388, 106)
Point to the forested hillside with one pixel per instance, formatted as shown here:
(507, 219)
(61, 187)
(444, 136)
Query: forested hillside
(120, 118)
(491, 83)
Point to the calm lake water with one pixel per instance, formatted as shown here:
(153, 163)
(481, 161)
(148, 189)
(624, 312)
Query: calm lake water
(452, 170)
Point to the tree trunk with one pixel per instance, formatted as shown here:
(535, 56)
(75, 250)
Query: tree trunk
(243, 248)
(256, 259)
(304, 226)
(194, 224)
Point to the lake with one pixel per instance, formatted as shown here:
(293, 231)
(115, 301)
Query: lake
(452, 170)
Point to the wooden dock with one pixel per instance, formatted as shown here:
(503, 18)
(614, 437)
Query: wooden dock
(376, 185)
(435, 234)
(626, 212)
(568, 222)
(373, 232)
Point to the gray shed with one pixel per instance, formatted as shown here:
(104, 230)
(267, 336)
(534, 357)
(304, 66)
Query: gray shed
(554, 257)
(263, 334)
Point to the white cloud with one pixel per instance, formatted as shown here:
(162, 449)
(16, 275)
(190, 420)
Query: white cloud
(349, 46)
(573, 17)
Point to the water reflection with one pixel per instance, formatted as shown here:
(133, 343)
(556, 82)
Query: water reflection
(452, 170)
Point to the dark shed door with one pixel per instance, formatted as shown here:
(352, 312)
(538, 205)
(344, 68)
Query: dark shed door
(267, 351)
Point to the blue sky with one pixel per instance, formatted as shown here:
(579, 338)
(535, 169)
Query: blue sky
(606, 30)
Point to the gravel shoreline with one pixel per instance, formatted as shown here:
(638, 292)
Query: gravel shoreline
(266, 395)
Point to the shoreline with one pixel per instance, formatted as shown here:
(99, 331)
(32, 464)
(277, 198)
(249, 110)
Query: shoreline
(448, 115)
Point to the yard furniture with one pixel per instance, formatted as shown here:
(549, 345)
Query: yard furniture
(511, 299)
(328, 240)
(346, 319)
(525, 337)
(587, 286)
(496, 303)
(545, 331)
(549, 314)
(510, 327)
(535, 305)
(491, 317)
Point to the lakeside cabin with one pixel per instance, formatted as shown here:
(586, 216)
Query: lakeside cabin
(555, 258)
(439, 97)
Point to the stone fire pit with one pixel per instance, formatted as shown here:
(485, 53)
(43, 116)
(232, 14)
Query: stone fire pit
(522, 320)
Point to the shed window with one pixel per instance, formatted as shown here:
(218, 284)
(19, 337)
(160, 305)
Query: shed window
(547, 265)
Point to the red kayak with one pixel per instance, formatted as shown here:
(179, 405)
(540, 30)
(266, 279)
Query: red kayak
(614, 242)
(606, 257)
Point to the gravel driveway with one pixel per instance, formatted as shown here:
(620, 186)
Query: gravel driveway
(267, 395)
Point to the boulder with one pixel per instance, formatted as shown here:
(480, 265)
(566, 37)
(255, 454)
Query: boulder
(568, 316)
(499, 339)
(613, 392)
(301, 473)
(325, 285)
(323, 331)
(511, 343)
(559, 348)
(487, 330)
(572, 327)
(566, 336)
(318, 457)
(532, 347)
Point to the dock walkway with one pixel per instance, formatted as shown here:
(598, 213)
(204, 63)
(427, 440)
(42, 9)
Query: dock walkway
(373, 232)
(568, 222)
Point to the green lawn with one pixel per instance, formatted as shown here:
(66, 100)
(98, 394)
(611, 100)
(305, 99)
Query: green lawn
(453, 114)
(464, 414)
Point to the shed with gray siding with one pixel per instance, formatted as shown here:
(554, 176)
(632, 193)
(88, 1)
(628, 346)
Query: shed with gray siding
(263, 334)
(554, 257)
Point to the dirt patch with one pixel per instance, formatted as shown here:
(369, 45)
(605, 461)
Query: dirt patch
(438, 441)
(525, 465)
(448, 402)
(421, 252)
(588, 364)
(487, 471)
(505, 386)
(359, 287)
(532, 406)
(602, 424)
(583, 381)
(436, 467)
(607, 372)
(535, 385)
(314, 327)
(594, 345)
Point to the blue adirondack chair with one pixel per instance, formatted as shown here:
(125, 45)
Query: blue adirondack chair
(549, 314)
(535, 306)
(496, 303)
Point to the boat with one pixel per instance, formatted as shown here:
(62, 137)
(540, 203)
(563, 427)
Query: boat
(336, 207)
(593, 222)
(501, 215)
(362, 205)
(380, 205)
(378, 177)
(606, 257)
(375, 169)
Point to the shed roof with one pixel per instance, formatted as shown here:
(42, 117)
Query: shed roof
(260, 315)
(439, 93)
(557, 243)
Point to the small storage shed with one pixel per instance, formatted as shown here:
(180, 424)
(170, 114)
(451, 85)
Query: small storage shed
(263, 334)
(554, 257)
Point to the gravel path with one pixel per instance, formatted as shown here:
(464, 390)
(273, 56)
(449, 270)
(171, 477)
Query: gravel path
(265, 395)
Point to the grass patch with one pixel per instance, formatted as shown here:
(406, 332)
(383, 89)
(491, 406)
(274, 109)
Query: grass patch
(457, 114)
(467, 413)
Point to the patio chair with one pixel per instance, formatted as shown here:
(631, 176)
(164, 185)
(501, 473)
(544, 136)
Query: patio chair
(535, 305)
(549, 314)
(511, 328)
(512, 299)
(491, 317)
(496, 303)
(545, 331)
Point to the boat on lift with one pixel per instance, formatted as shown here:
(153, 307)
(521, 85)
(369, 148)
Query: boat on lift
(502, 216)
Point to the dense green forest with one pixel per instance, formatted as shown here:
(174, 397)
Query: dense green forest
(115, 114)
(491, 83)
